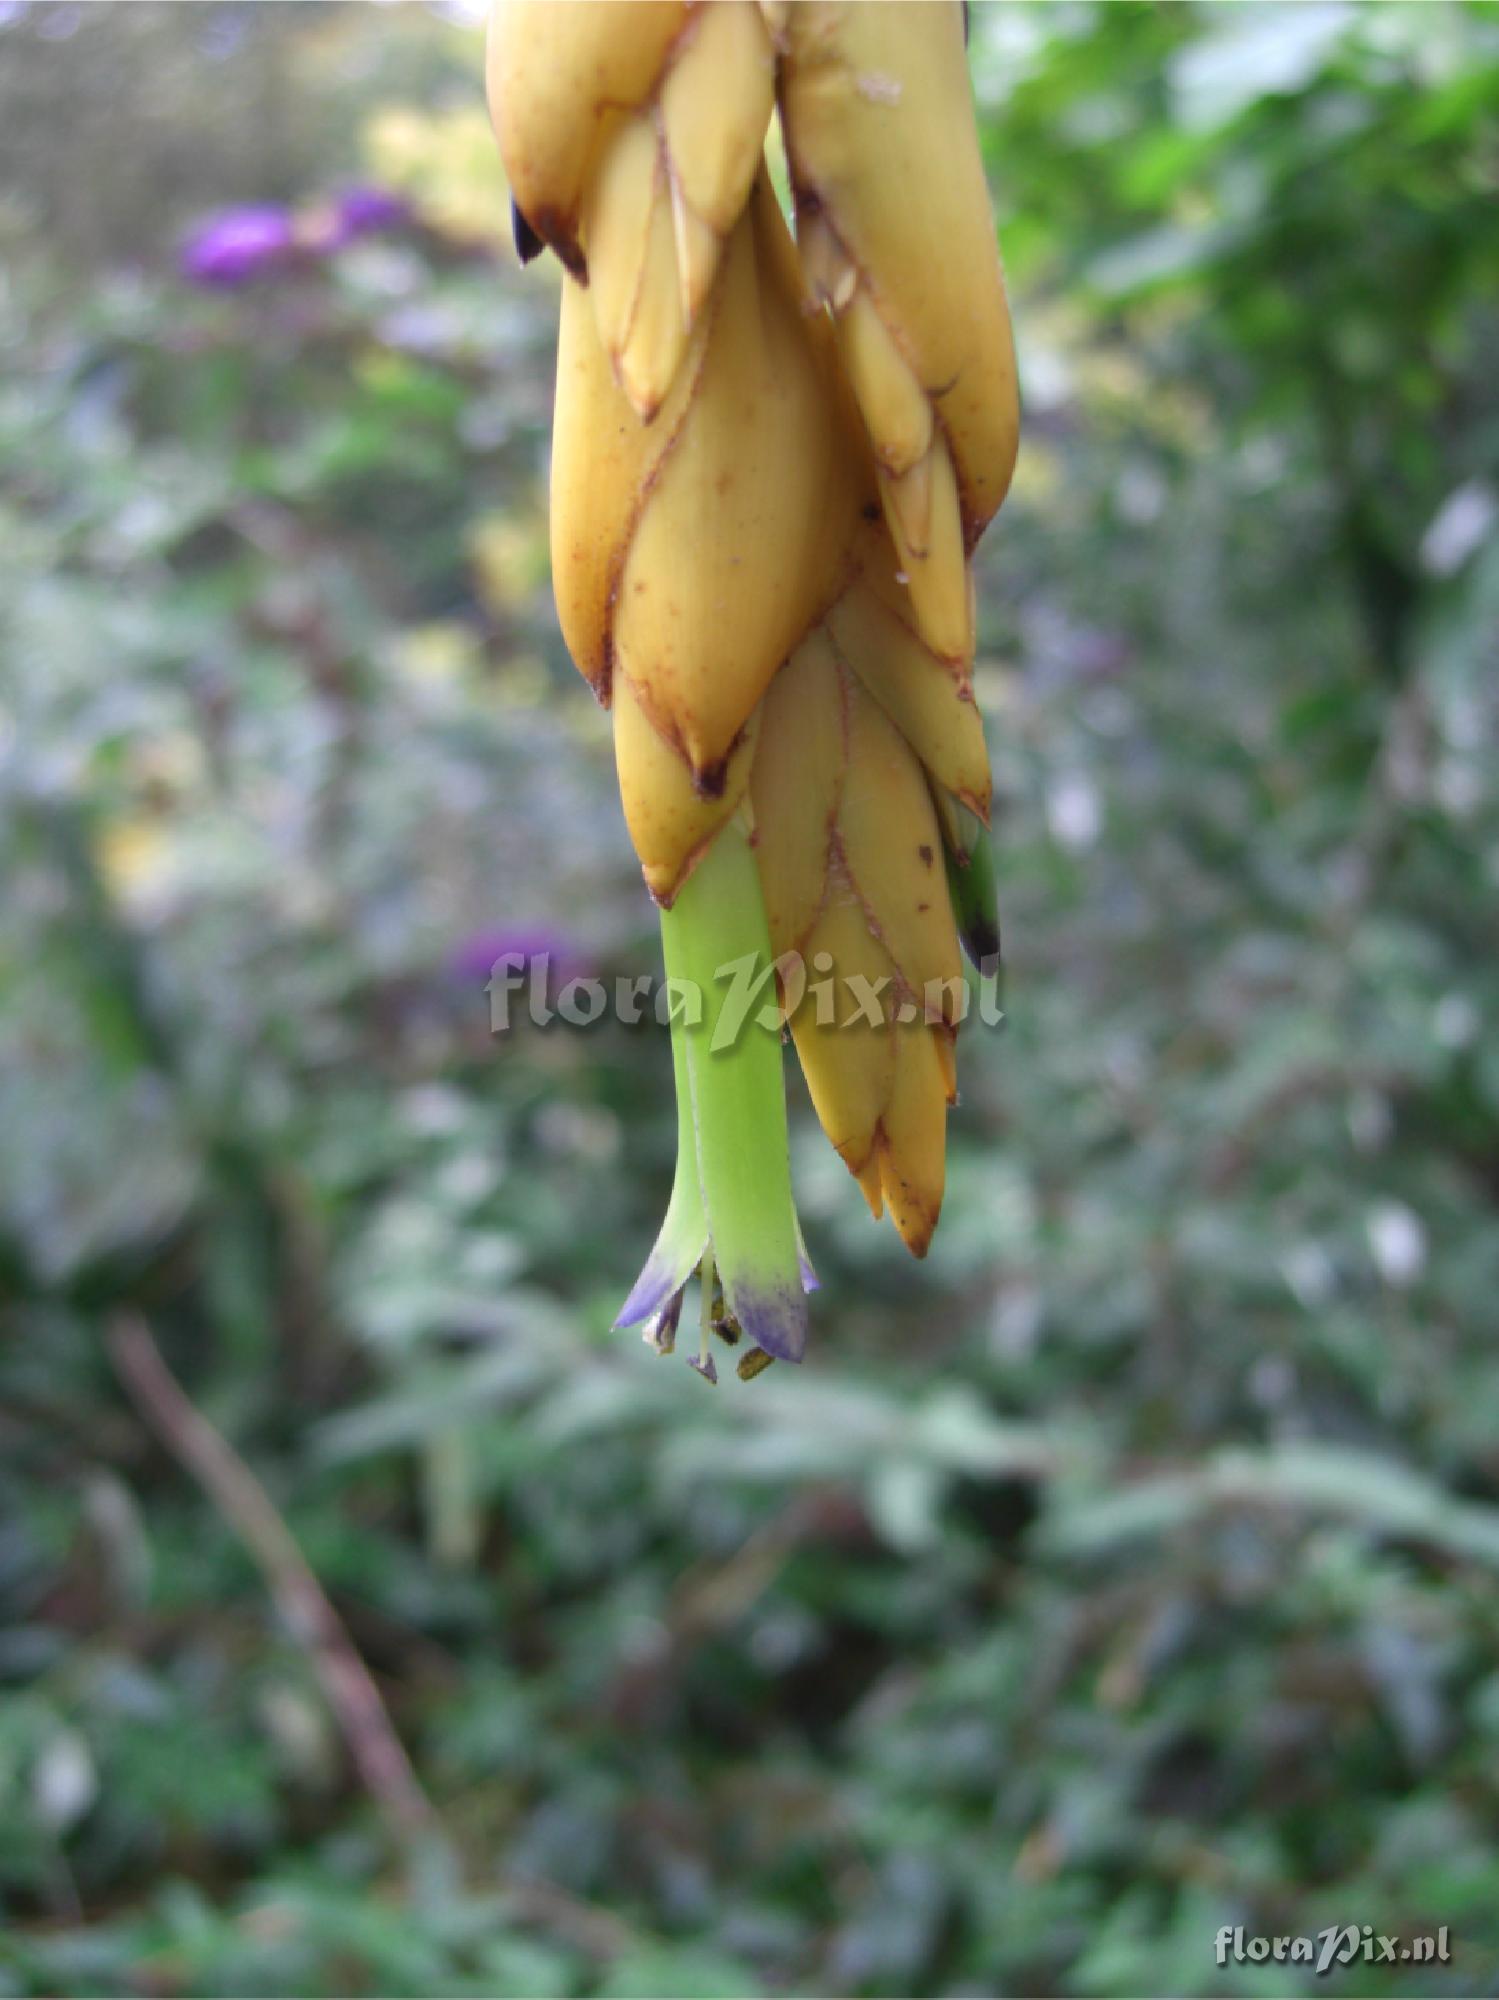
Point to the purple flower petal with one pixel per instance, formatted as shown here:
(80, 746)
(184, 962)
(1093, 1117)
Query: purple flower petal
(772, 1316)
(509, 947)
(236, 245)
(365, 211)
(661, 1330)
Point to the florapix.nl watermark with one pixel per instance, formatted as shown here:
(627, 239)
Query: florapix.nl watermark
(1331, 1949)
(745, 989)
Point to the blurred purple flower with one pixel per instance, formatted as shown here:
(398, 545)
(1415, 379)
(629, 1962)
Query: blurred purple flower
(365, 211)
(358, 211)
(239, 244)
(236, 245)
(514, 946)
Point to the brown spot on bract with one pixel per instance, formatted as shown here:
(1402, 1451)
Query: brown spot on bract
(926, 854)
(922, 908)
(709, 783)
(870, 510)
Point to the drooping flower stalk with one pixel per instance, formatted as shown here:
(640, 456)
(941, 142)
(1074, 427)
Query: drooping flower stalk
(771, 463)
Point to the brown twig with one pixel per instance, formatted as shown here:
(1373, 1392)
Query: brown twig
(361, 1714)
(351, 1693)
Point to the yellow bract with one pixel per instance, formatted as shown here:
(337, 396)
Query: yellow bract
(632, 134)
(894, 216)
(930, 703)
(850, 857)
(670, 821)
(560, 77)
(691, 553)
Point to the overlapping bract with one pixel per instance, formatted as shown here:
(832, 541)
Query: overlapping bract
(631, 134)
(850, 857)
(762, 511)
(895, 231)
(690, 554)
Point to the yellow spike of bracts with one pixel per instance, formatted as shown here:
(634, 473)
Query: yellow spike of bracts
(770, 465)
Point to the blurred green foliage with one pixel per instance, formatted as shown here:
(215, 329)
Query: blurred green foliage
(1128, 1570)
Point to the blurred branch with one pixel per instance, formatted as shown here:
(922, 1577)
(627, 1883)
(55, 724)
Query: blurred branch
(356, 1702)
(304, 1605)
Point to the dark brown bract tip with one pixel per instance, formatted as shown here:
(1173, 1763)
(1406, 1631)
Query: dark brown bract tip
(709, 782)
(528, 245)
